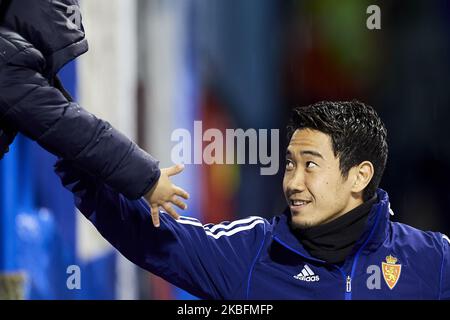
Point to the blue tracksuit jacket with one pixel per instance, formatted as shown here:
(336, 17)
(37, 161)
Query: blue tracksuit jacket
(254, 258)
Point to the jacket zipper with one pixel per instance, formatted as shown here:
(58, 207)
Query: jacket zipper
(348, 279)
(348, 288)
(349, 284)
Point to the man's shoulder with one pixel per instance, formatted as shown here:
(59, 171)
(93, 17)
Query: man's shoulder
(408, 236)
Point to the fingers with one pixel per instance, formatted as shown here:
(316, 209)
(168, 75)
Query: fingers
(171, 171)
(171, 211)
(155, 212)
(180, 204)
(155, 215)
(165, 193)
(180, 192)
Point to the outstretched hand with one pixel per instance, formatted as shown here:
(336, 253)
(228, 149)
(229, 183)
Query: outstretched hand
(164, 193)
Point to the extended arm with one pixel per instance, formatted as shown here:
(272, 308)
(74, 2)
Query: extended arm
(209, 261)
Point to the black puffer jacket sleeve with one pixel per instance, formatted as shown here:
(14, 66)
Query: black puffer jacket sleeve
(30, 105)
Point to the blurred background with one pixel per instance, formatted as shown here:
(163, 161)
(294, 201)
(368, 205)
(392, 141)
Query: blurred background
(158, 65)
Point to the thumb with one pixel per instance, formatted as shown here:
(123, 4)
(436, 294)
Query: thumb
(176, 169)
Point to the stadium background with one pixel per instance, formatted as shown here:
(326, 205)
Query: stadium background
(157, 65)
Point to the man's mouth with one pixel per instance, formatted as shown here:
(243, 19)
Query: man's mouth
(298, 204)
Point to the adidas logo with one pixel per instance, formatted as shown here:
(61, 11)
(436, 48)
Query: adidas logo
(307, 275)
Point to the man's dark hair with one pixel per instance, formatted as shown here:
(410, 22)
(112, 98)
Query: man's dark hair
(357, 134)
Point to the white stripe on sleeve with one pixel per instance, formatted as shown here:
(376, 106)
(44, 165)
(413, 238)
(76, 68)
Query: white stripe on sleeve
(226, 228)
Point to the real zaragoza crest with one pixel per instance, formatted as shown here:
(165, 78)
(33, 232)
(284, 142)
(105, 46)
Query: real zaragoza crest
(391, 271)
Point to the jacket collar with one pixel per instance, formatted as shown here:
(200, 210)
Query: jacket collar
(374, 234)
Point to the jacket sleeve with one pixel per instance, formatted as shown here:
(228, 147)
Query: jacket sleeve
(209, 261)
(445, 270)
(31, 106)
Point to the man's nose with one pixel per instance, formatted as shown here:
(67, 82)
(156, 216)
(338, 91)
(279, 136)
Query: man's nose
(296, 182)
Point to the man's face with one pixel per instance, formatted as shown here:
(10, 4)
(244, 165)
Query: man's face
(313, 185)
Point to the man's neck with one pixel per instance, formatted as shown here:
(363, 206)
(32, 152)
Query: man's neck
(333, 241)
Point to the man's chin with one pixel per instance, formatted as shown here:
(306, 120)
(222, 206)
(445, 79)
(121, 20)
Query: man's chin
(299, 222)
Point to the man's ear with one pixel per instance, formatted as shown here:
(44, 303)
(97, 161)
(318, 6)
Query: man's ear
(363, 174)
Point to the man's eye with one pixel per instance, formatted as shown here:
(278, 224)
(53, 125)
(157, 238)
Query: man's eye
(310, 164)
(289, 165)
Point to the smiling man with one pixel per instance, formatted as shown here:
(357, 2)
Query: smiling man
(314, 185)
(334, 163)
(334, 241)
